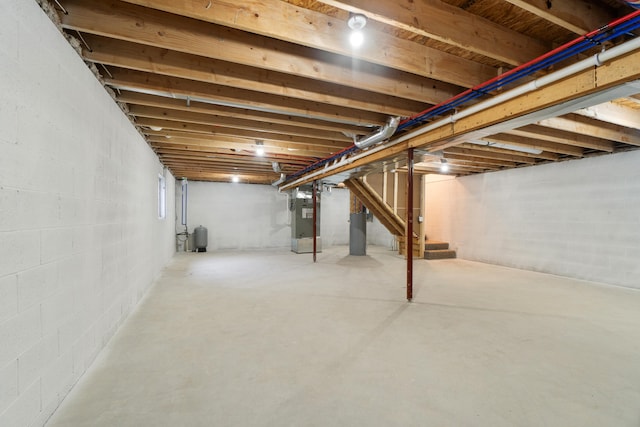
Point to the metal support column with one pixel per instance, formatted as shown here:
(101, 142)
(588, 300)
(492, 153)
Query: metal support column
(409, 237)
(315, 218)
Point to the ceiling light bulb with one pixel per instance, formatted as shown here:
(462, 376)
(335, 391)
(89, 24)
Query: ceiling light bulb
(260, 151)
(444, 166)
(357, 21)
(155, 128)
(235, 178)
(356, 38)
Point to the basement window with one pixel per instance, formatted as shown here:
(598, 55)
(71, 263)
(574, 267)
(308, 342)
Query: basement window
(162, 197)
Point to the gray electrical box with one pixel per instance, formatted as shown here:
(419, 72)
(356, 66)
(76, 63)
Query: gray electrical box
(302, 221)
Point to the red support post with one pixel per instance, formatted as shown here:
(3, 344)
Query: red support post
(409, 236)
(315, 218)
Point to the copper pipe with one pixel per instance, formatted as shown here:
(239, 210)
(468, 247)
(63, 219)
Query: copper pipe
(409, 237)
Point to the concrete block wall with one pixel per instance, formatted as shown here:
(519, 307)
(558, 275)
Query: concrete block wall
(237, 216)
(248, 216)
(578, 218)
(242, 216)
(334, 221)
(80, 237)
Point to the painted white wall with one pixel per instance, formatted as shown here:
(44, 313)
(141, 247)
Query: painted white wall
(579, 218)
(377, 234)
(80, 238)
(249, 216)
(334, 221)
(238, 216)
(246, 216)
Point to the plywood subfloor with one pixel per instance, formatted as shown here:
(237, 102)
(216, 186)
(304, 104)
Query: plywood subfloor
(268, 338)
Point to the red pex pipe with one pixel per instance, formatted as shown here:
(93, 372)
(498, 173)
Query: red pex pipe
(566, 46)
(530, 63)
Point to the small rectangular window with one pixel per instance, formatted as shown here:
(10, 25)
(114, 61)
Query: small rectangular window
(162, 197)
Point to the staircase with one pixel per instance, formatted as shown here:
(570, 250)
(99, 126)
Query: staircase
(377, 206)
(438, 250)
(396, 225)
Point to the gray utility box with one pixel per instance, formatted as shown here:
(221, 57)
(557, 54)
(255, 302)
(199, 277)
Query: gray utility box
(301, 207)
(358, 234)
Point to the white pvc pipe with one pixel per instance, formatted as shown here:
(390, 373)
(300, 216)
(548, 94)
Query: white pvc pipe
(595, 60)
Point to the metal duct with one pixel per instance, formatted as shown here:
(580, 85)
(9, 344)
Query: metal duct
(380, 135)
(280, 180)
(633, 3)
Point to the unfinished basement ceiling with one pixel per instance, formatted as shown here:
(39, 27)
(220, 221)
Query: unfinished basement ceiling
(210, 82)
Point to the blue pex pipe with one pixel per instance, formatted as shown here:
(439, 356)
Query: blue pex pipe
(622, 26)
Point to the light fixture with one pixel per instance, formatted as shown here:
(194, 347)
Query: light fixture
(235, 178)
(444, 166)
(356, 38)
(356, 22)
(155, 128)
(259, 148)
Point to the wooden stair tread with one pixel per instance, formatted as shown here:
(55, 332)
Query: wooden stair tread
(439, 254)
(435, 245)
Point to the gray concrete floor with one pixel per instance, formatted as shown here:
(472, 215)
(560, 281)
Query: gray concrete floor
(268, 338)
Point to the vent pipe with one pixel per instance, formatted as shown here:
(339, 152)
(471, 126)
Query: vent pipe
(380, 135)
(280, 180)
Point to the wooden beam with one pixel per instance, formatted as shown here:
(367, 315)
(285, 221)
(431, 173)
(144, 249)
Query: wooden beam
(200, 175)
(523, 141)
(543, 155)
(281, 20)
(440, 21)
(216, 166)
(620, 70)
(457, 171)
(495, 154)
(613, 112)
(150, 59)
(253, 136)
(222, 154)
(479, 161)
(374, 202)
(577, 16)
(596, 128)
(186, 139)
(472, 166)
(233, 123)
(154, 28)
(223, 95)
(143, 99)
(564, 137)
